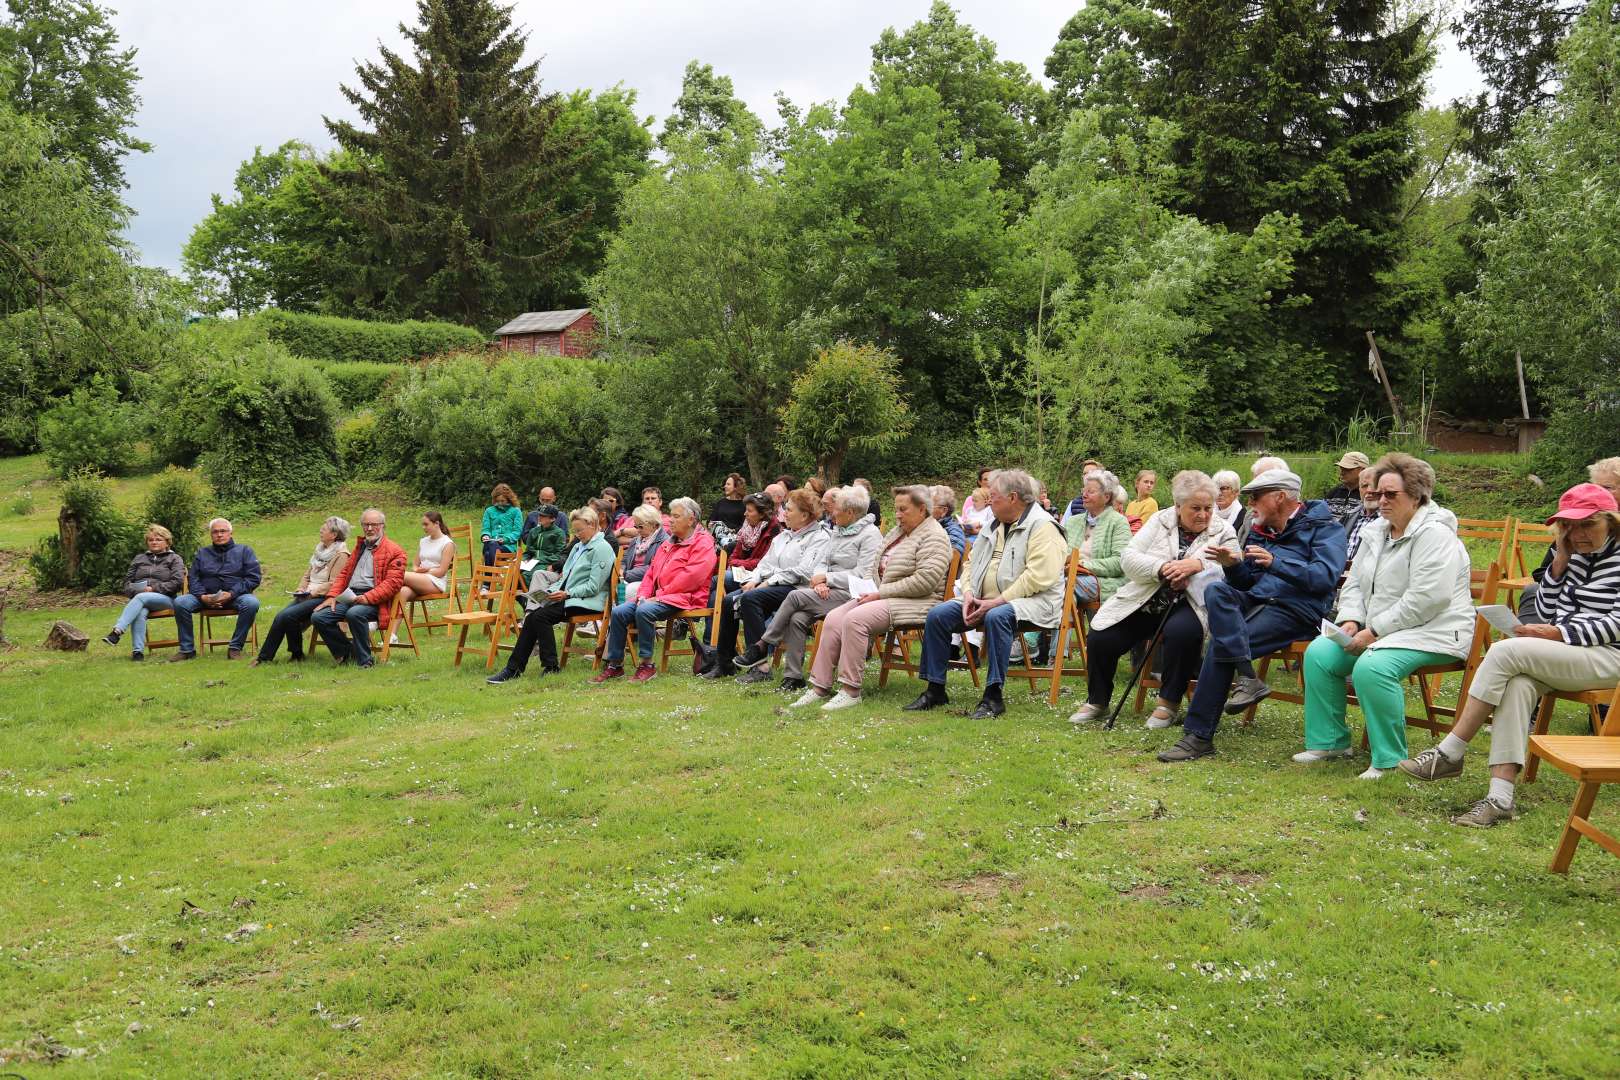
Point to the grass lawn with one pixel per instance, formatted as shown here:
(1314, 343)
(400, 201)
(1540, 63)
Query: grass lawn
(295, 870)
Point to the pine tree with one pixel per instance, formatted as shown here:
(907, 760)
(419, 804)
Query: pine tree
(462, 166)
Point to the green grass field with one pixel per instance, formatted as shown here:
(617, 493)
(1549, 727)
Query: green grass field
(300, 870)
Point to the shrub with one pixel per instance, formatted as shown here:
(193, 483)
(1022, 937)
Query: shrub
(849, 396)
(333, 339)
(107, 540)
(454, 427)
(178, 503)
(1579, 432)
(358, 449)
(359, 383)
(92, 429)
(270, 436)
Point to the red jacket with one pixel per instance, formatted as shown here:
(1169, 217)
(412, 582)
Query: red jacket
(681, 571)
(749, 558)
(387, 575)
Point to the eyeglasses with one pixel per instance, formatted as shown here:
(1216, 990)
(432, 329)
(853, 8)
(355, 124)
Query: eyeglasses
(1382, 495)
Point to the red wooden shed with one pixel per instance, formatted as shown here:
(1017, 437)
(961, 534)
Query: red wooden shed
(560, 333)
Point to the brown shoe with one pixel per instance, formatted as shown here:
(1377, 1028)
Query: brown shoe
(233, 654)
(643, 673)
(612, 671)
(254, 662)
(179, 656)
(1432, 765)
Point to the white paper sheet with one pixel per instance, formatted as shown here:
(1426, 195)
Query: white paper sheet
(1500, 616)
(1332, 632)
(859, 587)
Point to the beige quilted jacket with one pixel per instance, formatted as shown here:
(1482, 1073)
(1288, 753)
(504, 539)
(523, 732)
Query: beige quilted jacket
(913, 580)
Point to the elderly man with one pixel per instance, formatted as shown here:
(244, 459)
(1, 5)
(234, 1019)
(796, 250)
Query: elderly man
(223, 575)
(1275, 592)
(1266, 464)
(945, 513)
(1014, 574)
(1365, 513)
(362, 593)
(677, 580)
(778, 493)
(1344, 499)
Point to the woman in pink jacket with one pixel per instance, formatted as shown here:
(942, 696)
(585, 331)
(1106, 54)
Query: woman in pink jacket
(678, 580)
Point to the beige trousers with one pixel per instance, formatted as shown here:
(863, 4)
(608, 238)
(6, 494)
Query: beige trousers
(1517, 671)
(794, 621)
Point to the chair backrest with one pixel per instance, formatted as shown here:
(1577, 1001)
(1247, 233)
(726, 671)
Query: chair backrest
(1482, 630)
(1537, 536)
(950, 576)
(491, 582)
(463, 535)
(612, 588)
(1497, 531)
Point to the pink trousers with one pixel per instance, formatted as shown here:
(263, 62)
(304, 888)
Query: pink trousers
(846, 635)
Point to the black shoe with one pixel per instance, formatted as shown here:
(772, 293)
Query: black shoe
(504, 675)
(113, 636)
(754, 675)
(137, 656)
(295, 658)
(718, 671)
(1247, 691)
(551, 669)
(930, 698)
(1190, 748)
(753, 656)
(793, 686)
(990, 705)
(368, 665)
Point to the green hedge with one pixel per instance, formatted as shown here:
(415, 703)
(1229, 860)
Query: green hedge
(359, 383)
(108, 540)
(332, 339)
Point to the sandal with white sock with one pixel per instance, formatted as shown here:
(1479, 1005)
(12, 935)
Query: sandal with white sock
(1085, 713)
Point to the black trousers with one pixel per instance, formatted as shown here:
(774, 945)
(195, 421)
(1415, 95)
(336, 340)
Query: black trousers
(538, 626)
(753, 609)
(1180, 651)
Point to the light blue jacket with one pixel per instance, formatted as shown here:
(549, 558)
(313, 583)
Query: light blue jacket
(585, 574)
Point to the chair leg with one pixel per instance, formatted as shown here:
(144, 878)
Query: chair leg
(1060, 656)
(669, 641)
(461, 644)
(1585, 795)
(1532, 761)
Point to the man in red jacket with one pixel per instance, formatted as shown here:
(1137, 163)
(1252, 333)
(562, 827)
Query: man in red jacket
(678, 580)
(363, 593)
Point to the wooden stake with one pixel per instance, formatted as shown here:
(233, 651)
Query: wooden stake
(1524, 399)
(1383, 379)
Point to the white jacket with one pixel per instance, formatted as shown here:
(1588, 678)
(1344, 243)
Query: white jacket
(792, 556)
(1156, 543)
(1412, 592)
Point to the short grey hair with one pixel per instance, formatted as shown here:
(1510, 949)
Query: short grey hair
(1111, 487)
(944, 497)
(686, 506)
(1016, 482)
(220, 521)
(1609, 466)
(1228, 478)
(339, 527)
(1190, 482)
(382, 518)
(920, 494)
(1264, 464)
(1417, 476)
(853, 498)
(646, 515)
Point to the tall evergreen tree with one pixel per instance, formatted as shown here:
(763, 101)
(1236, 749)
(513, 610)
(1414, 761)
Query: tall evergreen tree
(461, 171)
(1515, 44)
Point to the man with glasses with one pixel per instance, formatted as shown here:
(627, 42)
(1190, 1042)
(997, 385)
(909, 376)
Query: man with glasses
(363, 593)
(223, 575)
(1275, 592)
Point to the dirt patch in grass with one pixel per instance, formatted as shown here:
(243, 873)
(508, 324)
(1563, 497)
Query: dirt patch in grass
(1148, 891)
(429, 795)
(984, 886)
(1247, 879)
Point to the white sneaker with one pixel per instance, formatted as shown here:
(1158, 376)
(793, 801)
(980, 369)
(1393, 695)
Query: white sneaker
(840, 700)
(811, 696)
(1372, 773)
(1085, 712)
(393, 639)
(1312, 757)
(1161, 718)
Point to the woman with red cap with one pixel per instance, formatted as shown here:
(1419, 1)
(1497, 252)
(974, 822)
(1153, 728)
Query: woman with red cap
(1572, 644)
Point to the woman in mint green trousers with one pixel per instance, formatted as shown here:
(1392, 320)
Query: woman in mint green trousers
(1404, 605)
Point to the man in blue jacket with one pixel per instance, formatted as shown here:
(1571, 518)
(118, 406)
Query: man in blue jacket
(223, 575)
(1276, 591)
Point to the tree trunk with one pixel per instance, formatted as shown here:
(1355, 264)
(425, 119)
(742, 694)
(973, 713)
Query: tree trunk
(756, 461)
(832, 463)
(67, 530)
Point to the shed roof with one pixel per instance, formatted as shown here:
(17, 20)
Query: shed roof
(536, 322)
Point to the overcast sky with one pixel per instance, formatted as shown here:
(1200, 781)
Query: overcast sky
(218, 79)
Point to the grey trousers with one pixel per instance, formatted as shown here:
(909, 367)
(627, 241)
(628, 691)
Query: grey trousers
(795, 619)
(1517, 671)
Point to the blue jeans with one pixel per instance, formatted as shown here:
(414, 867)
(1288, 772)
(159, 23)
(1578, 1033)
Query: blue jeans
(133, 617)
(359, 617)
(646, 613)
(999, 626)
(288, 626)
(491, 547)
(246, 607)
(1086, 589)
(1239, 631)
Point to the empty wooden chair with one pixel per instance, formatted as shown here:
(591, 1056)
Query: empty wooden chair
(1592, 761)
(497, 588)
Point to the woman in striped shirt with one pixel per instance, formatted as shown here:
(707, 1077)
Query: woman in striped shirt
(1574, 644)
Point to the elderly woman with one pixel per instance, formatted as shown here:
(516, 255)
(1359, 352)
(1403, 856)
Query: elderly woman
(1227, 504)
(639, 553)
(1573, 644)
(1605, 474)
(677, 581)
(790, 563)
(1099, 533)
(759, 530)
(580, 590)
(502, 524)
(155, 577)
(1171, 549)
(945, 513)
(1404, 605)
(910, 574)
(290, 622)
(852, 545)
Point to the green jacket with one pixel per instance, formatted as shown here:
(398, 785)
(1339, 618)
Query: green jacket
(547, 545)
(503, 523)
(585, 574)
(1108, 540)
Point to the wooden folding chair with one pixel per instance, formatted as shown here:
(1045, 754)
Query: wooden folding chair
(1594, 700)
(396, 615)
(452, 592)
(895, 654)
(1531, 539)
(498, 585)
(690, 617)
(1496, 532)
(600, 618)
(152, 641)
(1592, 760)
(206, 637)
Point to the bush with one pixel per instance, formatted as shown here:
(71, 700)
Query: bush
(1579, 432)
(332, 339)
(358, 449)
(92, 429)
(179, 504)
(107, 540)
(270, 433)
(359, 383)
(455, 427)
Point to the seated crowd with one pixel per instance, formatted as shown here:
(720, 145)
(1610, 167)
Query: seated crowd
(1200, 590)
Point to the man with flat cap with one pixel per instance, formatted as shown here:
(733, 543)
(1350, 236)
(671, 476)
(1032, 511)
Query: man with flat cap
(1345, 498)
(1275, 591)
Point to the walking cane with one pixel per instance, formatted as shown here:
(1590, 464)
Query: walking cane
(1147, 658)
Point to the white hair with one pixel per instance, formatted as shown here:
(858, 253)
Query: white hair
(686, 506)
(943, 496)
(1263, 464)
(1111, 487)
(920, 494)
(220, 521)
(853, 498)
(1227, 478)
(1190, 482)
(382, 518)
(337, 525)
(1016, 482)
